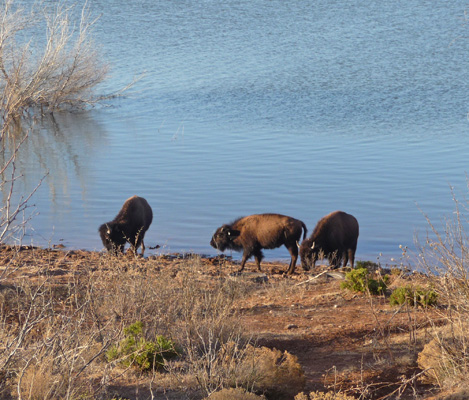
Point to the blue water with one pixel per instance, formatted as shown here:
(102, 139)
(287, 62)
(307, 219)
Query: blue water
(300, 108)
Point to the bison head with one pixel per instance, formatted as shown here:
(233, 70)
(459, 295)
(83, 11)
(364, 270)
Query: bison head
(223, 237)
(112, 237)
(308, 254)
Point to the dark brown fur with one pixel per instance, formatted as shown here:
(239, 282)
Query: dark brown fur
(253, 233)
(130, 225)
(334, 237)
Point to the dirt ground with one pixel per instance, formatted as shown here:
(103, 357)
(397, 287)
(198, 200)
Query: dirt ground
(343, 340)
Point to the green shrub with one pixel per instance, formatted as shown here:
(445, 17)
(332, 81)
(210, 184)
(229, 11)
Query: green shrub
(360, 280)
(413, 296)
(369, 265)
(136, 351)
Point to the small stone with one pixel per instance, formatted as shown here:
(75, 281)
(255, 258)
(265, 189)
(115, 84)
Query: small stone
(261, 279)
(292, 326)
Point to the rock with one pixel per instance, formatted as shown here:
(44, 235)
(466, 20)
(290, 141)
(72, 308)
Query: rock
(292, 326)
(336, 275)
(263, 278)
(255, 277)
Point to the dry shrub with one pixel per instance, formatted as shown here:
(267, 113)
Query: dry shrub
(445, 258)
(200, 316)
(206, 326)
(57, 73)
(273, 372)
(324, 396)
(50, 340)
(234, 394)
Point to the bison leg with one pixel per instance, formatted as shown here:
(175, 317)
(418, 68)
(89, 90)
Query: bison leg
(345, 256)
(138, 242)
(246, 255)
(351, 254)
(338, 262)
(294, 257)
(334, 260)
(258, 256)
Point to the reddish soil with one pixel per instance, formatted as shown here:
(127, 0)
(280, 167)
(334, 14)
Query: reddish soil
(343, 340)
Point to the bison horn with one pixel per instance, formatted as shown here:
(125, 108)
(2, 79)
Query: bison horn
(108, 229)
(312, 247)
(298, 243)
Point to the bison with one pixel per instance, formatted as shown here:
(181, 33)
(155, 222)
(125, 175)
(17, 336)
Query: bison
(253, 233)
(334, 237)
(130, 225)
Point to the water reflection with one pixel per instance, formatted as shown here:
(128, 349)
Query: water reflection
(61, 146)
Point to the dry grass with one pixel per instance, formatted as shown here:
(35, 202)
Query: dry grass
(445, 257)
(55, 332)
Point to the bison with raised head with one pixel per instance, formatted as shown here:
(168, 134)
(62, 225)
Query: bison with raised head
(334, 237)
(130, 225)
(253, 233)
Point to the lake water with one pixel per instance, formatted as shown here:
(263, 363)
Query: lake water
(252, 106)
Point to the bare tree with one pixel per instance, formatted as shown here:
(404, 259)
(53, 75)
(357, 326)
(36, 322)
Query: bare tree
(58, 70)
(12, 209)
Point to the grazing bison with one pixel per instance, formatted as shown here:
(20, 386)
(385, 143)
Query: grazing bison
(334, 237)
(253, 233)
(130, 225)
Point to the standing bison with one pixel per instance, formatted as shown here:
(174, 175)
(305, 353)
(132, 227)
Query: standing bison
(130, 225)
(334, 237)
(253, 233)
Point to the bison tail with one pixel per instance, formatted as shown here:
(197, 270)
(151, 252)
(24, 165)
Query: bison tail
(305, 230)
